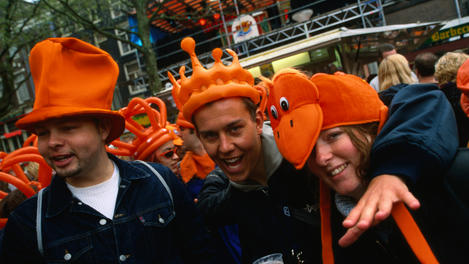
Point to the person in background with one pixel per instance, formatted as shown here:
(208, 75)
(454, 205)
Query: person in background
(340, 149)
(394, 74)
(446, 71)
(98, 208)
(424, 65)
(196, 164)
(154, 143)
(384, 50)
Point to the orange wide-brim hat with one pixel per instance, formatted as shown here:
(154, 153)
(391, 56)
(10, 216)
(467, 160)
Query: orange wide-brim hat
(72, 78)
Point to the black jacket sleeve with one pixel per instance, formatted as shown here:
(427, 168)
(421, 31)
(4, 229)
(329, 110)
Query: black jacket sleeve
(216, 200)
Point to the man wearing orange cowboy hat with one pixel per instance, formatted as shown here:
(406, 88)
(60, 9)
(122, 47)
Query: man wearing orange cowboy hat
(98, 208)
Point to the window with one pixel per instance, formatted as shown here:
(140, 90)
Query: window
(124, 48)
(11, 127)
(99, 38)
(116, 9)
(22, 92)
(134, 77)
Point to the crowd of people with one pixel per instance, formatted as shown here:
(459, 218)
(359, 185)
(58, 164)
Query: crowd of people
(322, 168)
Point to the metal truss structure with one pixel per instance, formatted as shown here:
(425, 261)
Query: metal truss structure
(369, 12)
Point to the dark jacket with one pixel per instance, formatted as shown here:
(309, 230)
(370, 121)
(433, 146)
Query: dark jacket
(271, 219)
(387, 95)
(281, 217)
(145, 228)
(421, 136)
(383, 243)
(453, 94)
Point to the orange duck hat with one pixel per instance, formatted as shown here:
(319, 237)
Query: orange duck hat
(147, 139)
(208, 85)
(72, 78)
(462, 81)
(299, 108)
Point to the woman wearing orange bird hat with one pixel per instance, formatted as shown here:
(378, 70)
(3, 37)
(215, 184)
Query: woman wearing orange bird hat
(345, 126)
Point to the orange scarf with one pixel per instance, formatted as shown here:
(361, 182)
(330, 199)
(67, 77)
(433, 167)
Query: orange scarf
(195, 165)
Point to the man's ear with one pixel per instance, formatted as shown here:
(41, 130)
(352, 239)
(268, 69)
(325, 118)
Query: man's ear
(259, 121)
(104, 128)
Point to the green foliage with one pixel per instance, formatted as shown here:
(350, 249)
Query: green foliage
(21, 25)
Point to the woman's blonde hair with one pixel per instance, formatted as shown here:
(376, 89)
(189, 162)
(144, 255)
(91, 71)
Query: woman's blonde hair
(446, 68)
(394, 70)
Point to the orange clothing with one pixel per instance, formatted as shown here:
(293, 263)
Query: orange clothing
(193, 164)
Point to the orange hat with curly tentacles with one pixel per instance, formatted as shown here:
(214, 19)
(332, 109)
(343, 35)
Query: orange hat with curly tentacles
(147, 139)
(208, 85)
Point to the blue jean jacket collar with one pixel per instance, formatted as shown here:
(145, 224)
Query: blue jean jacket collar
(60, 197)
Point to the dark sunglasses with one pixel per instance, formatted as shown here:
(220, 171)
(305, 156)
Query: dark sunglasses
(169, 153)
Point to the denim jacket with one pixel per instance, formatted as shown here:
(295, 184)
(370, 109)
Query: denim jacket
(145, 227)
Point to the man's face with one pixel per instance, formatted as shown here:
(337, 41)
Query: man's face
(230, 137)
(189, 137)
(388, 53)
(73, 147)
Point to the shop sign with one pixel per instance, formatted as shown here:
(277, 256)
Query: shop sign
(449, 33)
(244, 28)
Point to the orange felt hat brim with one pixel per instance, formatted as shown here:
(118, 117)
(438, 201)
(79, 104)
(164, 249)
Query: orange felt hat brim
(302, 125)
(43, 114)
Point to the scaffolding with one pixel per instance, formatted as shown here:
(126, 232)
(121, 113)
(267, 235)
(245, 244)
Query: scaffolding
(369, 12)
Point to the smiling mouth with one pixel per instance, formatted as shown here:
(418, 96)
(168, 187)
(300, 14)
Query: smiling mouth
(339, 169)
(233, 162)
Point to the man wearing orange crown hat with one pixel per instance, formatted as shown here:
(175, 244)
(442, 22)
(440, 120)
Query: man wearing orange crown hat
(98, 208)
(271, 202)
(195, 166)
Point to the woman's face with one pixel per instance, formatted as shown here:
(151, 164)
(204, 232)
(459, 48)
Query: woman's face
(166, 155)
(334, 160)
